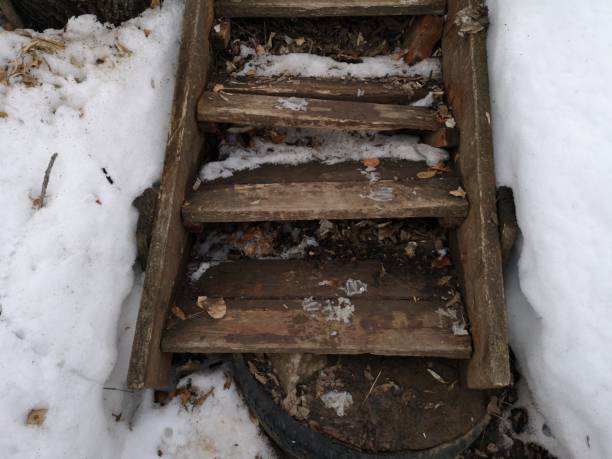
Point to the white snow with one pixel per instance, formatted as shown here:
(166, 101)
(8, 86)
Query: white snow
(336, 309)
(354, 287)
(339, 401)
(67, 285)
(329, 147)
(552, 109)
(311, 65)
(295, 104)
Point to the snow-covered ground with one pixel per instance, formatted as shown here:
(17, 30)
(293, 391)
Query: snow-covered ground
(552, 109)
(100, 97)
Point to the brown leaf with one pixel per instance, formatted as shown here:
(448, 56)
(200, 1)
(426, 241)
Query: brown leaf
(441, 167)
(3, 114)
(36, 417)
(215, 307)
(259, 50)
(155, 4)
(218, 87)
(459, 192)
(300, 41)
(441, 262)
(427, 174)
(371, 162)
(178, 312)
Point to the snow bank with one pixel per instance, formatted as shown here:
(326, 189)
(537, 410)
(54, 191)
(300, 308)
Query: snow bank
(311, 65)
(102, 103)
(330, 147)
(549, 69)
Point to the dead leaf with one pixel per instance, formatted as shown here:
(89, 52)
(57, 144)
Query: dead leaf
(444, 280)
(427, 174)
(456, 299)
(441, 167)
(259, 50)
(299, 41)
(3, 114)
(215, 307)
(36, 417)
(269, 42)
(218, 87)
(147, 32)
(227, 375)
(459, 192)
(371, 162)
(276, 137)
(178, 312)
(251, 72)
(441, 262)
(410, 249)
(155, 4)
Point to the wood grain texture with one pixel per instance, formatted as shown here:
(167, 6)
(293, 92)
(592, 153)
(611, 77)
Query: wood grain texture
(169, 242)
(259, 110)
(375, 91)
(341, 192)
(265, 311)
(466, 82)
(314, 8)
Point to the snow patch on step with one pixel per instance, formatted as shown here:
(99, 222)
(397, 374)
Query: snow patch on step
(330, 147)
(311, 65)
(339, 401)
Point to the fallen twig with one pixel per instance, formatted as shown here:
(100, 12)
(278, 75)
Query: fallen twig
(372, 387)
(39, 202)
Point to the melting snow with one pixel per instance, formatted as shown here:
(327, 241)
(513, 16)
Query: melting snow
(337, 401)
(296, 104)
(354, 287)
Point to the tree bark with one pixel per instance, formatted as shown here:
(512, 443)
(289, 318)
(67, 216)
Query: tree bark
(42, 14)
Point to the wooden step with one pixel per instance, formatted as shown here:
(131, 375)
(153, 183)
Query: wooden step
(314, 191)
(315, 8)
(271, 307)
(258, 110)
(379, 91)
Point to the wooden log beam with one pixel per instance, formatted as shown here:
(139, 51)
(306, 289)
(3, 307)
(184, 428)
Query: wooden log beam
(375, 91)
(467, 85)
(256, 110)
(170, 241)
(318, 8)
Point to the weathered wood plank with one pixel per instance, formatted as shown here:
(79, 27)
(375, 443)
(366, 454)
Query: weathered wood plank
(273, 111)
(349, 195)
(466, 82)
(376, 91)
(384, 327)
(259, 279)
(396, 315)
(508, 226)
(314, 8)
(169, 243)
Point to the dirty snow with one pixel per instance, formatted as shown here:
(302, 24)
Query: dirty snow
(68, 290)
(354, 287)
(551, 111)
(336, 309)
(339, 401)
(330, 147)
(311, 65)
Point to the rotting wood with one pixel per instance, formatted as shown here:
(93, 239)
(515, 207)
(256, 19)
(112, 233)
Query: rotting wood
(169, 244)
(345, 194)
(317, 8)
(442, 138)
(272, 111)
(376, 91)
(466, 81)
(424, 34)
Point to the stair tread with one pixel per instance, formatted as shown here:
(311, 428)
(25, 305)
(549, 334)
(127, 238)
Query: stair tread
(314, 8)
(382, 90)
(273, 111)
(400, 313)
(314, 190)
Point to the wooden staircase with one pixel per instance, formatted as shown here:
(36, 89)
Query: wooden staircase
(399, 314)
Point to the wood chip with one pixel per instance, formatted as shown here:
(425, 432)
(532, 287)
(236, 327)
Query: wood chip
(36, 417)
(259, 50)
